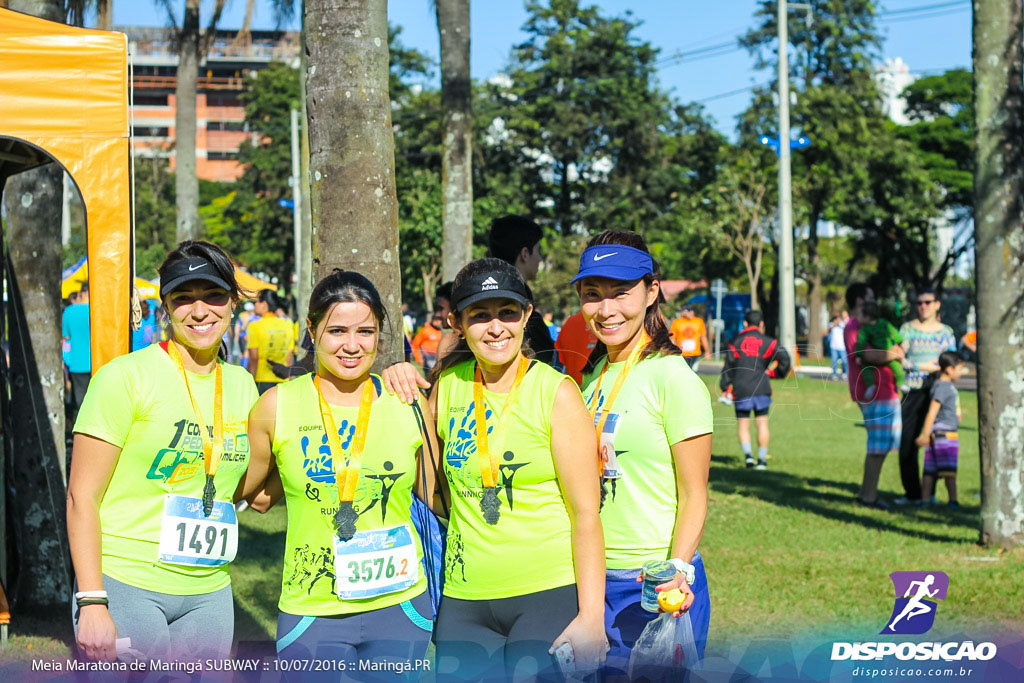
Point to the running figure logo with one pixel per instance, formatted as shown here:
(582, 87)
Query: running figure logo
(917, 594)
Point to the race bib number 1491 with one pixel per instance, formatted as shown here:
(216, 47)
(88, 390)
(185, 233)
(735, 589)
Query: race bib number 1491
(188, 537)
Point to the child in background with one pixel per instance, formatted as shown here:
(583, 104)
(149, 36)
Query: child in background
(878, 333)
(939, 433)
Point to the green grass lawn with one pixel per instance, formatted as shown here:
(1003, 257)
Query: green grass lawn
(787, 551)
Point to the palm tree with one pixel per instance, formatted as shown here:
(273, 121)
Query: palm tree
(193, 46)
(77, 9)
(352, 149)
(456, 160)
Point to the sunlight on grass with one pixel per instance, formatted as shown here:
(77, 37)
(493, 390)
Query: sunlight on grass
(787, 551)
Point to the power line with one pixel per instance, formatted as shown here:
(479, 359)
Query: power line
(730, 93)
(921, 8)
(928, 15)
(680, 56)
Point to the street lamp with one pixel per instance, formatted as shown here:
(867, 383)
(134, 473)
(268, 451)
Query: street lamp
(787, 285)
(799, 143)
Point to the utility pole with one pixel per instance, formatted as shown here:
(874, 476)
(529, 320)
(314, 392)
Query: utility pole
(787, 286)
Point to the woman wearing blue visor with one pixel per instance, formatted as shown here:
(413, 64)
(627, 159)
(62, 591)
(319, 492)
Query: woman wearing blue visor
(654, 423)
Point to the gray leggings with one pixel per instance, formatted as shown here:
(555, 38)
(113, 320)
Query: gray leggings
(170, 627)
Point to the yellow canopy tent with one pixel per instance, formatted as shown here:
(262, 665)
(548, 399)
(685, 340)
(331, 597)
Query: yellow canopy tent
(64, 97)
(74, 277)
(251, 283)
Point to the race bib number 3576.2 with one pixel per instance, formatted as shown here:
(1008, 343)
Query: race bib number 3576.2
(376, 562)
(188, 537)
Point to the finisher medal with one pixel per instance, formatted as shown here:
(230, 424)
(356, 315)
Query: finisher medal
(345, 519)
(209, 491)
(490, 504)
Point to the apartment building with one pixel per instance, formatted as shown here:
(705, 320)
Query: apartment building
(220, 117)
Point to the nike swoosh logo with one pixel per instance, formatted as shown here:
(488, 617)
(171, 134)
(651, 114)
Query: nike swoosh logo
(190, 268)
(603, 256)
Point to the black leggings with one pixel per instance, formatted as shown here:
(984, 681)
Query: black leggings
(490, 640)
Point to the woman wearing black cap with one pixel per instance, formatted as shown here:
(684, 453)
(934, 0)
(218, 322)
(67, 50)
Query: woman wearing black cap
(524, 564)
(653, 422)
(160, 447)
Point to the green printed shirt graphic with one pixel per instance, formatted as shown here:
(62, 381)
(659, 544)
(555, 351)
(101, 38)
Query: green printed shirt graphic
(139, 403)
(661, 403)
(383, 497)
(529, 549)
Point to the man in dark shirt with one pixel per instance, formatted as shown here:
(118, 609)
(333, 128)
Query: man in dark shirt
(516, 240)
(748, 369)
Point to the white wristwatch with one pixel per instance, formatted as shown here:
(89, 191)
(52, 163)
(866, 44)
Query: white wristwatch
(687, 569)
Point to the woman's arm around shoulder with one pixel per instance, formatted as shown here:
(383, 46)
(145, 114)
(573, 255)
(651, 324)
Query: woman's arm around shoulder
(262, 419)
(574, 452)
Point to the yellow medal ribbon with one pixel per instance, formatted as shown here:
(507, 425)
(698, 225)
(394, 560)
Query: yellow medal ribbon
(212, 451)
(606, 409)
(346, 476)
(488, 462)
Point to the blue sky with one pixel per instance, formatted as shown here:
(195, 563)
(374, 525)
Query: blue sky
(929, 35)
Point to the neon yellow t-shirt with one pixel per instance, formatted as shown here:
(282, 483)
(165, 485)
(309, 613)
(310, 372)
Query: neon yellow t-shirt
(273, 338)
(661, 403)
(530, 548)
(383, 496)
(140, 404)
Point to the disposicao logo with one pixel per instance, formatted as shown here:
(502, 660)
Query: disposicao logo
(917, 596)
(916, 602)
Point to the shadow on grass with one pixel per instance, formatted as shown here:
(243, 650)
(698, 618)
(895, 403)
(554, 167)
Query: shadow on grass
(52, 623)
(256, 574)
(783, 489)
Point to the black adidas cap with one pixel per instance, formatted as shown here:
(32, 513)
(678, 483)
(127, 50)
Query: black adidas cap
(187, 270)
(490, 285)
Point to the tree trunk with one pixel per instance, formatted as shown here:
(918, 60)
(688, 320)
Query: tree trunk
(456, 159)
(105, 14)
(999, 253)
(429, 278)
(352, 151)
(35, 473)
(186, 184)
(243, 38)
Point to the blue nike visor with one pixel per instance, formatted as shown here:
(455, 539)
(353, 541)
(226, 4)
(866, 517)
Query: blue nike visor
(614, 261)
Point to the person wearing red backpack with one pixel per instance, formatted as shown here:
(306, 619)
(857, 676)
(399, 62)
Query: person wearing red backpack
(748, 368)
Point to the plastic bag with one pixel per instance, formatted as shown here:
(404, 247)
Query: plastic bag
(664, 649)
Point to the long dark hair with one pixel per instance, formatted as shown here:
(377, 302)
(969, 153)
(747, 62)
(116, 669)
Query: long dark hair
(461, 351)
(344, 286)
(654, 323)
(217, 257)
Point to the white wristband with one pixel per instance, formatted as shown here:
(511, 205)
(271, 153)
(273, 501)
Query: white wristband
(688, 571)
(82, 595)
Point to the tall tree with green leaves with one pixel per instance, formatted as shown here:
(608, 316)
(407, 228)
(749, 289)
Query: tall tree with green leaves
(741, 204)
(941, 109)
(457, 157)
(257, 230)
(586, 111)
(999, 224)
(353, 200)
